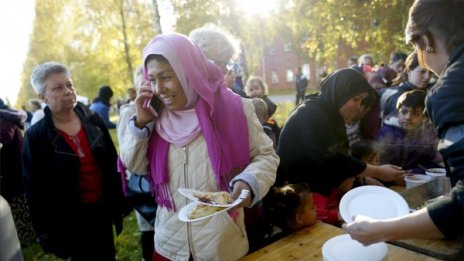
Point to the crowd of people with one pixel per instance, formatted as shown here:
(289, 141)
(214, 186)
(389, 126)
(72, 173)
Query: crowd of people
(368, 125)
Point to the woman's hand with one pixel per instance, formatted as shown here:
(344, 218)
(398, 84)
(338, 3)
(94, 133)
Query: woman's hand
(372, 181)
(238, 187)
(365, 230)
(389, 172)
(145, 113)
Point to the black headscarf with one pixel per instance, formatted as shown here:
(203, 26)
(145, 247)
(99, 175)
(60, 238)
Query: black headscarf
(342, 85)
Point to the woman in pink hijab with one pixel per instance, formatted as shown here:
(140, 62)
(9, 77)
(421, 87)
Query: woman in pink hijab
(202, 137)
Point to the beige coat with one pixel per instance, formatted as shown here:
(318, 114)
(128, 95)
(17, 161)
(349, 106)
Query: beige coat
(218, 237)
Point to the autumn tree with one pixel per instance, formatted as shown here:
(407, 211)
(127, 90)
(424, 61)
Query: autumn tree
(100, 41)
(331, 30)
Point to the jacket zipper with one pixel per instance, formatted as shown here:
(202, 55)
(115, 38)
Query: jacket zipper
(187, 185)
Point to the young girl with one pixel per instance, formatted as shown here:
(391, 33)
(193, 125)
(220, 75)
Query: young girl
(257, 88)
(367, 151)
(288, 209)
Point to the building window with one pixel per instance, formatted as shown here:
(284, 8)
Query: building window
(290, 76)
(287, 47)
(274, 77)
(306, 70)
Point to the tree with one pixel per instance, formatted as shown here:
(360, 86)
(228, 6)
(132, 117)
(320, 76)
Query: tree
(330, 29)
(100, 41)
(156, 17)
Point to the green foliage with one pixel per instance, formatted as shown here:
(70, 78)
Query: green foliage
(363, 26)
(100, 41)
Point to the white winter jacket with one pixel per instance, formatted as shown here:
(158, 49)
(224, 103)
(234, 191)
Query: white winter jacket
(218, 237)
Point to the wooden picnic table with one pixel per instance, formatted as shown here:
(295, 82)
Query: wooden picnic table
(438, 248)
(306, 244)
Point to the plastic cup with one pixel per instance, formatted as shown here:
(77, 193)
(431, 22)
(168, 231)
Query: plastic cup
(414, 180)
(436, 172)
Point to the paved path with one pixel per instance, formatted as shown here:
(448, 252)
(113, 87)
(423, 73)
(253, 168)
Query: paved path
(282, 98)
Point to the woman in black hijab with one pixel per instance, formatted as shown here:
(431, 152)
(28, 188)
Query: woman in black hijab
(314, 146)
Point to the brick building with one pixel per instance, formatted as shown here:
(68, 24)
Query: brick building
(279, 64)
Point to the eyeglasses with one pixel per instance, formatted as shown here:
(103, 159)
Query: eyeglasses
(229, 65)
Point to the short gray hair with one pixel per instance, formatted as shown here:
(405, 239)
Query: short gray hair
(138, 77)
(216, 44)
(42, 71)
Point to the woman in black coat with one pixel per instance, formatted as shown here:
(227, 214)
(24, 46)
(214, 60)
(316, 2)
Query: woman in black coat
(313, 144)
(69, 168)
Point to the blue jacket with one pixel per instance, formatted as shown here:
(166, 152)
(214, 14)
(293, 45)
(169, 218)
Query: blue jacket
(408, 150)
(104, 111)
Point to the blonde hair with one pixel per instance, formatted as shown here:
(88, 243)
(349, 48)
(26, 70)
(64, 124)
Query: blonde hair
(260, 81)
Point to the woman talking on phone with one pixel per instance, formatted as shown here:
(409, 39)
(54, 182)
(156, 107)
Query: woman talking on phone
(191, 141)
(436, 32)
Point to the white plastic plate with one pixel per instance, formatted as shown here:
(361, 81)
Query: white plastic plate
(342, 248)
(372, 201)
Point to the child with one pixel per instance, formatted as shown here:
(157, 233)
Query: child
(257, 88)
(288, 209)
(262, 114)
(327, 205)
(367, 151)
(413, 143)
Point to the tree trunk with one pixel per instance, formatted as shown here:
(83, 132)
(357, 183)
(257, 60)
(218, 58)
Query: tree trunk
(130, 70)
(157, 18)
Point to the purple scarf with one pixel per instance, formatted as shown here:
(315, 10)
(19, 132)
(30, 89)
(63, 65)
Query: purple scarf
(219, 111)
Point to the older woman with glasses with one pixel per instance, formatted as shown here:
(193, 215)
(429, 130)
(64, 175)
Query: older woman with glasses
(435, 29)
(69, 168)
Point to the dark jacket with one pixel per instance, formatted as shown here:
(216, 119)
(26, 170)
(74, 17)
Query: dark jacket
(313, 146)
(445, 107)
(10, 154)
(271, 106)
(51, 176)
(408, 150)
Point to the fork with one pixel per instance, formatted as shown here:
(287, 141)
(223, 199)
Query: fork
(243, 195)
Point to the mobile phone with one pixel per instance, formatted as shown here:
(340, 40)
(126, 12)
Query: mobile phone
(155, 103)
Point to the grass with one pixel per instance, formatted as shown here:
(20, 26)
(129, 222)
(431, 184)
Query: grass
(127, 243)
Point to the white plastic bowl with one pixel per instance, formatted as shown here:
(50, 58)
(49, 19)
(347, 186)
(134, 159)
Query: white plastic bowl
(414, 180)
(436, 172)
(342, 248)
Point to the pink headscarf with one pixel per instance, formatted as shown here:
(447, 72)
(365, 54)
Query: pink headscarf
(212, 110)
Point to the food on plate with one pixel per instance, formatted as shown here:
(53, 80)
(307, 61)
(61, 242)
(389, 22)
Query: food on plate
(436, 170)
(221, 197)
(203, 210)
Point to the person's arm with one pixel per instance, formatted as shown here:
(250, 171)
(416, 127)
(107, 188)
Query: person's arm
(415, 225)
(133, 148)
(260, 174)
(386, 172)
